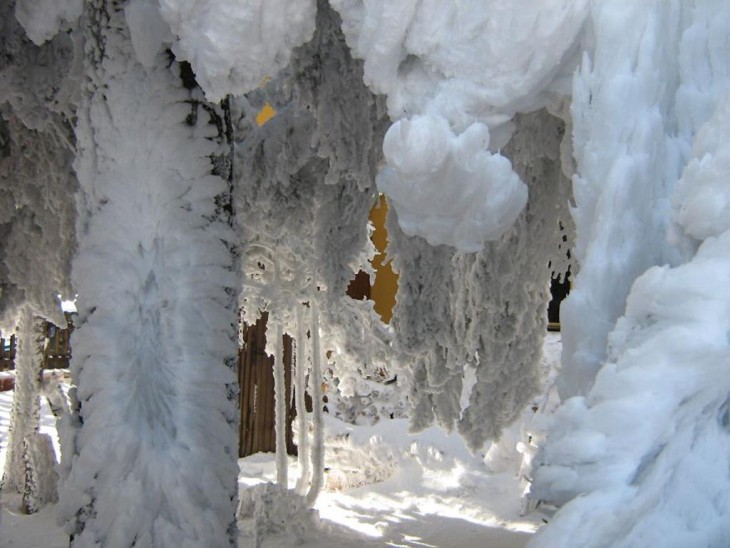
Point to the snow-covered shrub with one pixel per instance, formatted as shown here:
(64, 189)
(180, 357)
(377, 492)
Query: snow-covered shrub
(37, 218)
(365, 400)
(303, 193)
(350, 465)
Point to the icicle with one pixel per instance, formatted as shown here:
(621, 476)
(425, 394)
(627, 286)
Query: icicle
(316, 387)
(301, 385)
(280, 396)
(25, 415)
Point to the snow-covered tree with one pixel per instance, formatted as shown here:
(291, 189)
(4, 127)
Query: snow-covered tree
(36, 210)
(484, 310)
(640, 456)
(305, 184)
(153, 456)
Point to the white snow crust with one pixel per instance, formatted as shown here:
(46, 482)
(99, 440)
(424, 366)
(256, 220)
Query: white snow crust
(42, 19)
(233, 46)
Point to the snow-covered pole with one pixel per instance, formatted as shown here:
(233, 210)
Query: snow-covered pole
(280, 395)
(25, 414)
(301, 379)
(316, 387)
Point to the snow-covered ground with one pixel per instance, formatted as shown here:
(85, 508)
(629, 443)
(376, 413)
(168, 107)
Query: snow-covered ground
(384, 487)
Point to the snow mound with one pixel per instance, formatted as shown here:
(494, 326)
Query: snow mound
(649, 447)
(281, 517)
(351, 465)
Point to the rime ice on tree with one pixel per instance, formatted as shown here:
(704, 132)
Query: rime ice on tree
(154, 460)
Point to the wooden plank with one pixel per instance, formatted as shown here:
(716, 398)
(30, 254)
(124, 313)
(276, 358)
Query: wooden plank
(291, 447)
(266, 389)
(259, 410)
(257, 397)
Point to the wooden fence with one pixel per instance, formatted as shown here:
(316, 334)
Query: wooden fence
(256, 380)
(58, 350)
(7, 353)
(57, 354)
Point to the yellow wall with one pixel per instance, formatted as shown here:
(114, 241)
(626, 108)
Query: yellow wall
(266, 113)
(386, 281)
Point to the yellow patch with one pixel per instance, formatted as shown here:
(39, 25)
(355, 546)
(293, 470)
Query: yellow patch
(266, 113)
(386, 281)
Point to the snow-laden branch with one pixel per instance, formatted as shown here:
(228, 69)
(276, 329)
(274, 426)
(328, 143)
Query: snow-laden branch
(455, 74)
(234, 46)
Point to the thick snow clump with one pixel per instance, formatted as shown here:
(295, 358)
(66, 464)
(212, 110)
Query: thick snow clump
(649, 447)
(640, 456)
(449, 188)
(702, 199)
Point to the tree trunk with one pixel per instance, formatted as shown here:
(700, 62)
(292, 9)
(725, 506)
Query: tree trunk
(25, 414)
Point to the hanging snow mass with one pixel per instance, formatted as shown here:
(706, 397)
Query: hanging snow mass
(449, 188)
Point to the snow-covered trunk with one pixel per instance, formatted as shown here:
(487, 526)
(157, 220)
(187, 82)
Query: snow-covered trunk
(280, 399)
(153, 460)
(25, 414)
(316, 388)
(299, 391)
